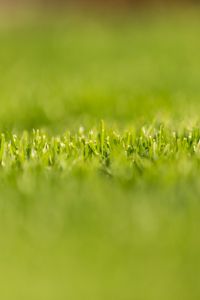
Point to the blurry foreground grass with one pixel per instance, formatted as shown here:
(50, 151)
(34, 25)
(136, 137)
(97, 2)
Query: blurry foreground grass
(100, 212)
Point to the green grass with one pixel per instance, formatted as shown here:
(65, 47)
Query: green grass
(93, 209)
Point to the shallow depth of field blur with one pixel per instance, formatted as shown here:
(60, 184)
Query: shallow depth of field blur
(82, 233)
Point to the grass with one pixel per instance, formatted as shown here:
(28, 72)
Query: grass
(93, 209)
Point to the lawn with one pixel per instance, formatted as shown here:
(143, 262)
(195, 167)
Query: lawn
(100, 157)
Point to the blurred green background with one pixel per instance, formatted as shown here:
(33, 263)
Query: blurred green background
(78, 69)
(78, 234)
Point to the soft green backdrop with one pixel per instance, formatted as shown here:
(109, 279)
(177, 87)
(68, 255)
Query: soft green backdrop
(77, 233)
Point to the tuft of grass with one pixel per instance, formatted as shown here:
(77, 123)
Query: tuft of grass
(155, 144)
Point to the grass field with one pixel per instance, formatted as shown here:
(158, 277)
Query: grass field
(100, 157)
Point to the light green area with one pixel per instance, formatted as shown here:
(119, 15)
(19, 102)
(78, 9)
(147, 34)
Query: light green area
(91, 209)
